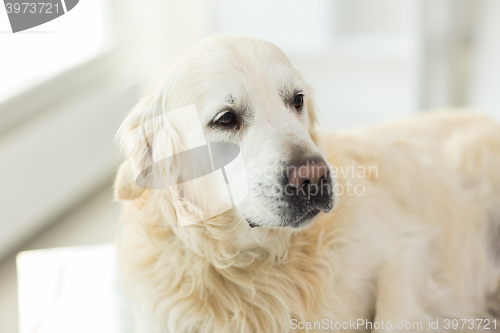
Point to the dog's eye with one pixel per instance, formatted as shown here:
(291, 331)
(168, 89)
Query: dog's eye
(298, 101)
(227, 119)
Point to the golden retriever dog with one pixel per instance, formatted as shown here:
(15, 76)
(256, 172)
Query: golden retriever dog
(391, 228)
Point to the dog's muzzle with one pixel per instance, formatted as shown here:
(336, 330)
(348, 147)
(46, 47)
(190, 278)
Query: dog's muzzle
(307, 189)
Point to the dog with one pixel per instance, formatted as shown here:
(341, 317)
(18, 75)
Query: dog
(390, 228)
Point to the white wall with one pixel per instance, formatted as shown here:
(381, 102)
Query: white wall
(360, 56)
(485, 79)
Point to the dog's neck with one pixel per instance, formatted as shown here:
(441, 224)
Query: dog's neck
(228, 241)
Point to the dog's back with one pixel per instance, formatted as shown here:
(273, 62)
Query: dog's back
(442, 170)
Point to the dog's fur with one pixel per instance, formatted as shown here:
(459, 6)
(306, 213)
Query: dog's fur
(420, 242)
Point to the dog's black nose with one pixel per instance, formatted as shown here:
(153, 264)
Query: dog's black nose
(308, 183)
(308, 173)
(308, 190)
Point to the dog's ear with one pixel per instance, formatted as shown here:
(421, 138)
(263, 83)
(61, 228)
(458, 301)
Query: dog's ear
(125, 186)
(149, 138)
(130, 140)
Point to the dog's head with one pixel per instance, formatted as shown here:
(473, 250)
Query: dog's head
(242, 92)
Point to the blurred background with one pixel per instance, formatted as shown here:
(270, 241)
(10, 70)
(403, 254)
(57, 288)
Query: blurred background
(65, 87)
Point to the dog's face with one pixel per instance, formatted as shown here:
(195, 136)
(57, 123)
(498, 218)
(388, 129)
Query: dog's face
(247, 93)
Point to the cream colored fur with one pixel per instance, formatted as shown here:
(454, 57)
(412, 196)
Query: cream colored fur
(417, 245)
